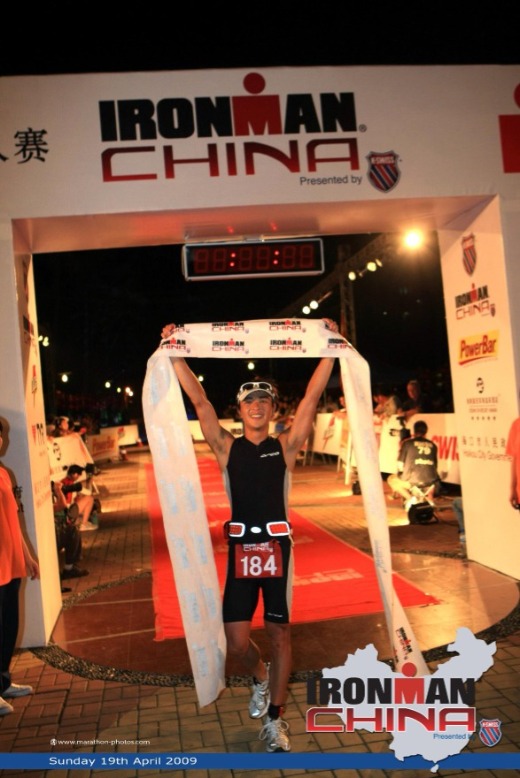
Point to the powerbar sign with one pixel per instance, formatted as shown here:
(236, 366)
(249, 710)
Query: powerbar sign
(476, 347)
(231, 118)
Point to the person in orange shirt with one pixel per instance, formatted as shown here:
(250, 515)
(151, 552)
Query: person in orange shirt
(513, 450)
(16, 562)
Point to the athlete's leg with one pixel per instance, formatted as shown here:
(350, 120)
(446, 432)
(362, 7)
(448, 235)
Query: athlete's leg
(277, 607)
(281, 661)
(242, 647)
(239, 604)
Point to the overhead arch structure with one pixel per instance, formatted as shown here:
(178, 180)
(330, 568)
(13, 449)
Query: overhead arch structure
(139, 159)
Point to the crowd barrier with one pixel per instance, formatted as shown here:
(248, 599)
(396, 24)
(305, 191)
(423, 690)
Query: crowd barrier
(66, 451)
(331, 436)
(71, 450)
(105, 446)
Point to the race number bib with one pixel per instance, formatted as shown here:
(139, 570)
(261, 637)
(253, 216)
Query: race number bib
(258, 560)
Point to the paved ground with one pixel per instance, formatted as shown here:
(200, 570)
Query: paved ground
(121, 716)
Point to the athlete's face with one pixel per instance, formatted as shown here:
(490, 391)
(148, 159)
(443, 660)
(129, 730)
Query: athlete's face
(257, 409)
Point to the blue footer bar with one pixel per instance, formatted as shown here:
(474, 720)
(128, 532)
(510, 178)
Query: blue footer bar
(257, 761)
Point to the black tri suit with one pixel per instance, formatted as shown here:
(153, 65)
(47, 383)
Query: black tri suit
(260, 543)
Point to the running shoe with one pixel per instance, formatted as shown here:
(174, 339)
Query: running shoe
(5, 707)
(274, 732)
(18, 690)
(260, 699)
(73, 572)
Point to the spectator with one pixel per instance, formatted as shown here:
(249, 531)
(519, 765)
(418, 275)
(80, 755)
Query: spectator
(386, 403)
(416, 401)
(68, 537)
(388, 426)
(61, 427)
(16, 562)
(71, 485)
(327, 404)
(284, 414)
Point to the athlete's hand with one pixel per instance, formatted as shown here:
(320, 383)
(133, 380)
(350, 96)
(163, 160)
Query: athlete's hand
(331, 325)
(167, 330)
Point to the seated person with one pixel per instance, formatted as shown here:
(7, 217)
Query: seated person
(68, 537)
(417, 467)
(71, 488)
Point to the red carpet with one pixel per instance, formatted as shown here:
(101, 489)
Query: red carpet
(332, 579)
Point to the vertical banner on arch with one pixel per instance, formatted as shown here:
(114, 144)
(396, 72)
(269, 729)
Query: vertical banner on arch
(180, 491)
(355, 377)
(185, 525)
(482, 359)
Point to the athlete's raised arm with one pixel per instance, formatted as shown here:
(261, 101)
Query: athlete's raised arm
(294, 438)
(216, 436)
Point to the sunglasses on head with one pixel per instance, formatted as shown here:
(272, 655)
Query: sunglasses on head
(250, 386)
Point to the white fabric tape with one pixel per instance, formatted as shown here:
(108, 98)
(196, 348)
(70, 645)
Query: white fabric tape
(180, 492)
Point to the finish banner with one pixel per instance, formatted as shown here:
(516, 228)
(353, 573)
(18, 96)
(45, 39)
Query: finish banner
(180, 491)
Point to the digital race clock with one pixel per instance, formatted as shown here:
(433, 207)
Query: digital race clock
(252, 259)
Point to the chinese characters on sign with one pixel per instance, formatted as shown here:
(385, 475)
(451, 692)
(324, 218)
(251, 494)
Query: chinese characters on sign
(30, 144)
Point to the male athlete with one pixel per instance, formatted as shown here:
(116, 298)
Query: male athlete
(256, 469)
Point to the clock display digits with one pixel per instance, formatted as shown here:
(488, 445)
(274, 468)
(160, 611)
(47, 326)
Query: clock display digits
(226, 260)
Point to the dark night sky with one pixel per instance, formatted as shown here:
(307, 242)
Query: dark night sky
(104, 315)
(114, 303)
(118, 38)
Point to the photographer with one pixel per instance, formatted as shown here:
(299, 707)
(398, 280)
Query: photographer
(72, 491)
(68, 536)
(417, 467)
